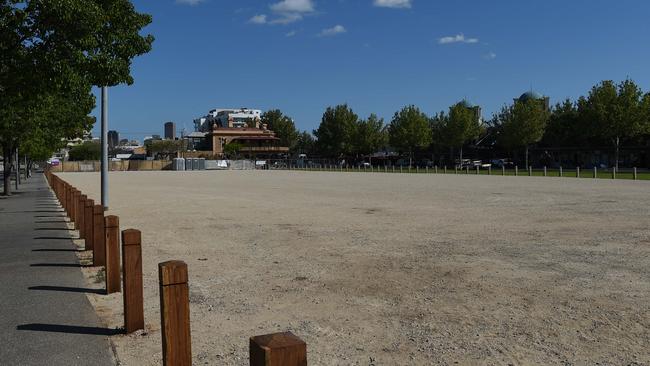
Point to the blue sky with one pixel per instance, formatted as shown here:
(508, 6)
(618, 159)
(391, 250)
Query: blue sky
(376, 55)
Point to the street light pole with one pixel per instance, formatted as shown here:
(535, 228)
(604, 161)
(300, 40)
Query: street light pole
(104, 173)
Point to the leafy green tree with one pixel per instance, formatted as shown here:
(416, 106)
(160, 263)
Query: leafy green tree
(409, 131)
(56, 50)
(305, 143)
(617, 112)
(461, 126)
(88, 150)
(369, 136)
(335, 131)
(232, 149)
(522, 124)
(283, 126)
(165, 149)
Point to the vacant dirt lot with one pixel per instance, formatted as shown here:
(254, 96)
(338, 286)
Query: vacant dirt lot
(383, 269)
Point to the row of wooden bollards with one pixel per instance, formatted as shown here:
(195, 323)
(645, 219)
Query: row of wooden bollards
(101, 237)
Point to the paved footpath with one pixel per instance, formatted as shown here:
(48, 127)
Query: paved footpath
(45, 317)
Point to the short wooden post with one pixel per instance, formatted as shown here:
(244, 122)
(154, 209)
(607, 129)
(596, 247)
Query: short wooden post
(112, 245)
(132, 280)
(516, 170)
(503, 170)
(75, 204)
(613, 172)
(578, 172)
(561, 171)
(81, 215)
(99, 248)
(530, 170)
(89, 224)
(545, 172)
(490, 170)
(280, 349)
(175, 313)
(635, 176)
(478, 170)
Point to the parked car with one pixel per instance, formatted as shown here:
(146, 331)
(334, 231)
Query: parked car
(500, 163)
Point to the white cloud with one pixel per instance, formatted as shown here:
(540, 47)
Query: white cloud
(258, 19)
(459, 38)
(189, 2)
(337, 29)
(490, 56)
(291, 34)
(293, 6)
(393, 3)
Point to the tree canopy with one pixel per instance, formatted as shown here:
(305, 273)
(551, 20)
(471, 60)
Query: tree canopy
(335, 131)
(409, 130)
(283, 126)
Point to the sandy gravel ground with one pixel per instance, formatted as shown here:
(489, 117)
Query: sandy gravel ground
(390, 269)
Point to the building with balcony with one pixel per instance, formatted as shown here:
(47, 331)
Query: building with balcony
(242, 127)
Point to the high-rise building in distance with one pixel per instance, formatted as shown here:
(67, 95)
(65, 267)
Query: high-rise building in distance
(113, 139)
(170, 131)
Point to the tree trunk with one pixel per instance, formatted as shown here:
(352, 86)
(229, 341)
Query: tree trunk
(526, 156)
(618, 144)
(8, 154)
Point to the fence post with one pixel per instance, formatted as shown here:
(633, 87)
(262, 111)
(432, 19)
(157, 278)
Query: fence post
(99, 248)
(634, 174)
(175, 314)
(89, 224)
(467, 172)
(578, 172)
(545, 172)
(81, 216)
(561, 171)
(530, 170)
(503, 170)
(595, 172)
(516, 170)
(132, 280)
(490, 170)
(445, 169)
(112, 245)
(280, 349)
(614, 173)
(435, 169)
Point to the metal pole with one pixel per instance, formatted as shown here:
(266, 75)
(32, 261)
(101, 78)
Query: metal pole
(104, 174)
(17, 169)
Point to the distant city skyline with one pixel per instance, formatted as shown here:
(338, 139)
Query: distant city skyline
(376, 55)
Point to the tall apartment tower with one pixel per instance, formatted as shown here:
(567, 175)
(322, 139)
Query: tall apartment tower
(170, 131)
(113, 139)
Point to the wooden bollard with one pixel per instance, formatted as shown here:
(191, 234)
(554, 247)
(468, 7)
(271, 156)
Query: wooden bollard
(112, 249)
(516, 170)
(89, 224)
(280, 349)
(530, 171)
(81, 204)
(635, 175)
(74, 204)
(132, 280)
(175, 313)
(503, 170)
(99, 248)
(561, 172)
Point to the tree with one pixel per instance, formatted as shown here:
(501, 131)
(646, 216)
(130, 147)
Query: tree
(165, 149)
(231, 150)
(305, 143)
(334, 133)
(462, 125)
(369, 136)
(522, 124)
(564, 127)
(88, 150)
(283, 126)
(617, 112)
(56, 50)
(409, 130)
